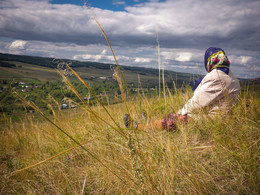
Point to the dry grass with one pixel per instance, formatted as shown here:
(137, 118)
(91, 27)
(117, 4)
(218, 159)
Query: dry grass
(206, 156)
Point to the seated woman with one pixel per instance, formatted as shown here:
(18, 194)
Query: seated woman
(217, 92)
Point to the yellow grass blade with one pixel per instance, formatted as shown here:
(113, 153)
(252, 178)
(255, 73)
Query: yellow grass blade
(54, 156)
(91, 91)
(84, 102)
(108, 42)
(159, 64)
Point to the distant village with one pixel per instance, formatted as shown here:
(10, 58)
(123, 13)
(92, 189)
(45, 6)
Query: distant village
(64, 103)
(27, 87)
(20, 85)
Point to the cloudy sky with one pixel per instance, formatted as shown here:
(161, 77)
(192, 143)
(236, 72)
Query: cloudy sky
(184, 28)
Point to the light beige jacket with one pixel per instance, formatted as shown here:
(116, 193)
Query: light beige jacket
(216, 92)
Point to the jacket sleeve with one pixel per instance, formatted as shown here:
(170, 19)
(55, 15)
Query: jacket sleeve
(208, 93)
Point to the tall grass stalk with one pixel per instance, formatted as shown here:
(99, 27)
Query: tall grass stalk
(118, 129)
(159, 67)
(131, 145)
(67, 134)
(121, 89)
(136, 165)
(108, 42)
(86, 85)
(97, 116)
(164, 89)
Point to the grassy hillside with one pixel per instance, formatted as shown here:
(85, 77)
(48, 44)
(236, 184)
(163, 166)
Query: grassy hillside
(205, 156)
(22, 71)
(43, 69)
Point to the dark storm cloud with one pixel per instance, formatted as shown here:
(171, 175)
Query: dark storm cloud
(178, 23)
(181, 25)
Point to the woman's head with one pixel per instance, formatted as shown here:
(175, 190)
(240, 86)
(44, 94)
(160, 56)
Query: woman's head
(215, 58)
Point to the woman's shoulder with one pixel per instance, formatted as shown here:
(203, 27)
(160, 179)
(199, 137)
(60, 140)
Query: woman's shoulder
(211, 76)
(219, 75)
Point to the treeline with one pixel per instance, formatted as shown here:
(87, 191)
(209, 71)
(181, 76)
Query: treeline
(6, 64)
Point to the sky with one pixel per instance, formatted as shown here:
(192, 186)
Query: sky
(184, 29)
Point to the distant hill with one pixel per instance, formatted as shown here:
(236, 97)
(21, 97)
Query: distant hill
(49, 62)
(43, 69)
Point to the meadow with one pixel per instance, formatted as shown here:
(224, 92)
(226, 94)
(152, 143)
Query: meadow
(86, 151)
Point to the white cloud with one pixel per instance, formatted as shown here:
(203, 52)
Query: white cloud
(183, 67)
(110, 59)
(91, 57)
(142, 60)
(167, 55)
(255, 68)
(118, 2)
(184, 57)
(182, 54)
(104, 52)
(18, 46)
(244, 60)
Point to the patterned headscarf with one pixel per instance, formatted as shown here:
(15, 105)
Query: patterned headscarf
(216, 58)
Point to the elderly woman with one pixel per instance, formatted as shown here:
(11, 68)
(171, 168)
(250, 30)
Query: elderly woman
(217, 92)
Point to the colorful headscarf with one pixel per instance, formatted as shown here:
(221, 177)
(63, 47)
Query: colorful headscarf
(216, 58)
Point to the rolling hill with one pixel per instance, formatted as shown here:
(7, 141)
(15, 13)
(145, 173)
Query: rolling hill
(43, 69)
